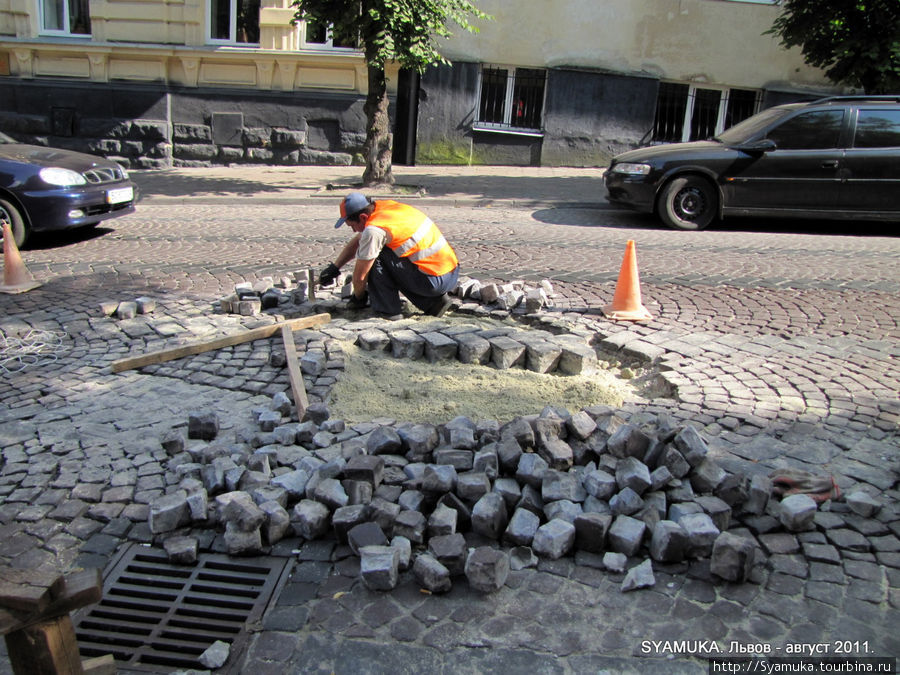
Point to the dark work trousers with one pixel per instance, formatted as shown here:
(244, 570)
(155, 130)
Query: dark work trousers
(391, 276)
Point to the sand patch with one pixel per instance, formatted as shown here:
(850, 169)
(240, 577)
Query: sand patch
(378, 385)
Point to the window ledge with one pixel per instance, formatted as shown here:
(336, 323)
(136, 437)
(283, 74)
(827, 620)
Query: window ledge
(509, 131)
(59, 35)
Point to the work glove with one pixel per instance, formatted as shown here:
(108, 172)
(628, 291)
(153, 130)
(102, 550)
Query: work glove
(328, 275)
(355, 302)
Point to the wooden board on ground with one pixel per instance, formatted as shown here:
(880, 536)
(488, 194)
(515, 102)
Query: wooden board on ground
(296, 376)
(42, 641)
(29, 590)
(163, 355)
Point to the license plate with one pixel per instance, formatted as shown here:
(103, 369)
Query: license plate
(119, 195)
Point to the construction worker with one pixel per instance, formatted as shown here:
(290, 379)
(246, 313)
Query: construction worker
(398, 249)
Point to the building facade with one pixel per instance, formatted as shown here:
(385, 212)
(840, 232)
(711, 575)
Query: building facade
(157, 82)
(154, 83)
(561, 83)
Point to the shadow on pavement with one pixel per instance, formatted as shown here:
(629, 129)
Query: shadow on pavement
(561, 189)
(595, 217)
(41, 241)
(850, 228)
(165, 184)
(611, 217)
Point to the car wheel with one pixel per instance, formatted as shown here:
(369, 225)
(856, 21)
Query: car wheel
(9, 215)
(688, 203)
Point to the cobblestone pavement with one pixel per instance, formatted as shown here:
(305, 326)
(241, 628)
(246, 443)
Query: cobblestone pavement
(780, 344)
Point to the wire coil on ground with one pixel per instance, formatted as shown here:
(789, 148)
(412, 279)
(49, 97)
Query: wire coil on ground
(35, 348)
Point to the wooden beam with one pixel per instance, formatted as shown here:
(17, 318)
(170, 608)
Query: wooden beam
(99, 665)
(29, 590)
(163, 355)
(311, 285)
(46, 648)
(298, 388)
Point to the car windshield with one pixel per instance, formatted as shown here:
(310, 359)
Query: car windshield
(744, 131)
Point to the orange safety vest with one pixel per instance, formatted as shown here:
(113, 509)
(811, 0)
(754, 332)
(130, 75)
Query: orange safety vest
(413, 235)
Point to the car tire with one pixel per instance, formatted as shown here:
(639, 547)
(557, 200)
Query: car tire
(10, 215)
(688, 203)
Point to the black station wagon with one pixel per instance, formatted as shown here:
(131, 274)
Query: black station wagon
(838, 157)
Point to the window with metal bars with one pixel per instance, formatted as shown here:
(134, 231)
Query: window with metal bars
(511, 98)
(692, 113)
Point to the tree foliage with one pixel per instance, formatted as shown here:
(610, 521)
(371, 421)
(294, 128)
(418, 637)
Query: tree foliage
(856, 42)
(401, 31)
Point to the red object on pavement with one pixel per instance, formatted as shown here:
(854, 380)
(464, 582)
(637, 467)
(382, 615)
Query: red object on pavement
(787, 482)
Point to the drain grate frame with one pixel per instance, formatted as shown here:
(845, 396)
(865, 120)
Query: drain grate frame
(158, 617)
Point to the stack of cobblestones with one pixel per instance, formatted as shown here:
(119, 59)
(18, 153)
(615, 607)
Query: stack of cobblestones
(476, 499)
(250, 299)
(553, 346)
(502, 347)
(290, 293)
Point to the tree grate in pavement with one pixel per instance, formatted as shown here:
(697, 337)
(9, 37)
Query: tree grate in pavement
(156, 616)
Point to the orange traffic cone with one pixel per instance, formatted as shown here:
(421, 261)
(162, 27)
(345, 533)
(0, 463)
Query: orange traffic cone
(626, 304)
(16, 277)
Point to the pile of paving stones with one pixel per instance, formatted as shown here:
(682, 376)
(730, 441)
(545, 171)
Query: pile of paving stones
(250, 299)
(290, 293)
(502, 347)
(554, 346)
(127, 309)
(476, 499)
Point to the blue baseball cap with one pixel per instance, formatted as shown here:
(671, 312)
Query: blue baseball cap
(352, 204)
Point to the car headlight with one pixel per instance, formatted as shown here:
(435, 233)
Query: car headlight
(61, 177)
(631, 169)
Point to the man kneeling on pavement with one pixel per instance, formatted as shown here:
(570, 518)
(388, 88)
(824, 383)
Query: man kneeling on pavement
(398, 249)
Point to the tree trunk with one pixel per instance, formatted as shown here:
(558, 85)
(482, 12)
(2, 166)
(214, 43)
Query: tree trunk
(378, 131)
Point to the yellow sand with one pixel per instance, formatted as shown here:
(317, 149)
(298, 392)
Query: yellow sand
(378, 385)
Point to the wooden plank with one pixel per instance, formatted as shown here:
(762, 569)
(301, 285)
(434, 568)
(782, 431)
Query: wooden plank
(311, 285)
(82, 589)
(46, 648)
(164, 355)
(29, 590)
(9, 622)
(99, 665)
(298, 388)
(79, 589)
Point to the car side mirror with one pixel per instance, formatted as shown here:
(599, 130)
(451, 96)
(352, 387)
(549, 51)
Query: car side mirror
(757, 148)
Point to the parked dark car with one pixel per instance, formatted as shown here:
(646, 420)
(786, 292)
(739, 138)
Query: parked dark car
(838, 157)
(44, 189)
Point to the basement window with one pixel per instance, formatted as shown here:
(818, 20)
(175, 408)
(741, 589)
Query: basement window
(694, 113)
(511, 99)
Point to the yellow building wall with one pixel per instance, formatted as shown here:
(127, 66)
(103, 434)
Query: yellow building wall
(165, 41)
(703, 41)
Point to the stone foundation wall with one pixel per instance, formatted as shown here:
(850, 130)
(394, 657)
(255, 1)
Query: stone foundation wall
(149, 127)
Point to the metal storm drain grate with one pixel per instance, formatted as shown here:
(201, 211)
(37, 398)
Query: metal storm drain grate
(156, 616)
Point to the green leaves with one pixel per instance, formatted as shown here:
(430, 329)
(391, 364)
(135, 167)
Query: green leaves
(393, 30)
(855, 43)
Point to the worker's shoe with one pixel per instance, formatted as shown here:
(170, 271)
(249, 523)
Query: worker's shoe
(440, 306)
(354, 302)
